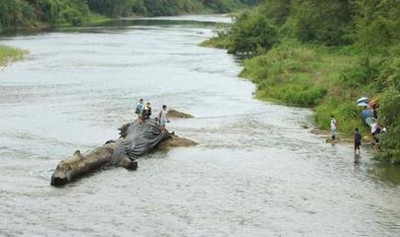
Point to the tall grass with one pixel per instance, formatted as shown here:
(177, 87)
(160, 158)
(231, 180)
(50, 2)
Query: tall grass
(312, 76)
(8, 54)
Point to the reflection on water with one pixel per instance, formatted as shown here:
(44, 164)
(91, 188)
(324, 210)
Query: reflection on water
(256, 172)
(387, 174)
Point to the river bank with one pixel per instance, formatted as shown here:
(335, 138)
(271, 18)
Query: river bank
(329, 80)
(311, 76)
(324, 55)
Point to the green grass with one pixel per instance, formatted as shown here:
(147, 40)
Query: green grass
(95, 19)
(310, 76)
(216, 42)
(8, 54)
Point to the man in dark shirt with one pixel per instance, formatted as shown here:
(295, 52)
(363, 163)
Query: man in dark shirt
(357, 142)
(146, 112)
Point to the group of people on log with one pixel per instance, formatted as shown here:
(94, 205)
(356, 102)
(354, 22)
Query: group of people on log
(144, 112)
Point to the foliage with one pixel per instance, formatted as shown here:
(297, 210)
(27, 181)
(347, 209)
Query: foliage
(390, 117)
(30, 13)
(252, 33)
(294, 73)
(8, 54)
(112, 8)
(303, 95)
(377, 22)
(325, 53)
(389, 76)
(359, 75)
(323, 21)
(164, 7)
(24, 13)
(16, 12)
(220, 40)
(346, 113)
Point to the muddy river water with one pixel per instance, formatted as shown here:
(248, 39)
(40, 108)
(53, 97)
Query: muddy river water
(255, 172)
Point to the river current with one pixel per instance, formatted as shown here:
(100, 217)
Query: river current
(255, 172)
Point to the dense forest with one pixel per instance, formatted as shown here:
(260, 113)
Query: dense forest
(39, 13)
(325, 54)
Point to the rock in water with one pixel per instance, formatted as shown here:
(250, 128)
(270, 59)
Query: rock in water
(176, 114)
(175, 141)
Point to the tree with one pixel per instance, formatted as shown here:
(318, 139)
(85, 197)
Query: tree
(377, 22)
(323, 21)
(252, 33)
(390, 117)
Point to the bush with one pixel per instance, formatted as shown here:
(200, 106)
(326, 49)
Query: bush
(303, 95)
(324, 21)
(345, 112)
(389, 116)
(360, 74)
(72, 16)
(252, 33)
(14, 13)
(389, 76)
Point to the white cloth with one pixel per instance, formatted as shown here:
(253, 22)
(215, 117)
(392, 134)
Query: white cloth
(374, 127)
(333, 124)
(163, 117)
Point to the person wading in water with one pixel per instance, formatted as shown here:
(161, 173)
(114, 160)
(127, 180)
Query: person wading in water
(357, 142)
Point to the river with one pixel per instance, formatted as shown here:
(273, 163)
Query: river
(255, 172)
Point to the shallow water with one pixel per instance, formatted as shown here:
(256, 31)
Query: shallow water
(256, 172)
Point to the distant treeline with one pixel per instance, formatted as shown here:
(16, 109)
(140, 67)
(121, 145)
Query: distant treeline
(33, 13)
(325, 54)
(367, 23)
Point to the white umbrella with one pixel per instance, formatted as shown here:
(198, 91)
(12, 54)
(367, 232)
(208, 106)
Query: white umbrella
(362, 99)
(363, 103)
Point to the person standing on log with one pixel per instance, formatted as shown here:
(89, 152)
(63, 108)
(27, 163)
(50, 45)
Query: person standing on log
(146, 112)
(163, 118)
(139, 107)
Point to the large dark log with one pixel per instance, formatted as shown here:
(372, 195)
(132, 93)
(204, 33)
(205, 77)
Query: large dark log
(136, 139)
(77, 165)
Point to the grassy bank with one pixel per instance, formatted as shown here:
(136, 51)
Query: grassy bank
(311, 76)
(324, 54)
(329, 80)
(8, 54)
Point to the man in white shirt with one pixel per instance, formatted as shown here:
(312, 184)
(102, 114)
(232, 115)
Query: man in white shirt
(333, 127)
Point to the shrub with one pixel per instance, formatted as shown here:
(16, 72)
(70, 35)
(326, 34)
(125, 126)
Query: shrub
(389, 116)
(252, 33)
(303, 95)
(345, 112)
(360, 74)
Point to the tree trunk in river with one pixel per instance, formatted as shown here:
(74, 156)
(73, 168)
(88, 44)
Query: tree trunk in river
(79, 164)
(136, 139)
